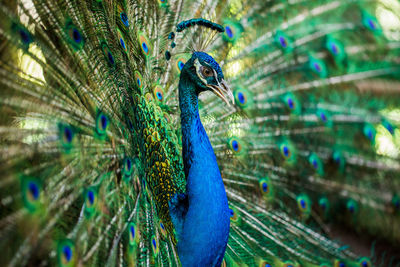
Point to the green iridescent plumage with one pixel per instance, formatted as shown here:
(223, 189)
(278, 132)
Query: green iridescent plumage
(90, 153)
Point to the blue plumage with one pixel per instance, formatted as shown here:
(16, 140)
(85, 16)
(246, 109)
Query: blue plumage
(202, 217)
(200, 21)
(124, 19)
(91, 166)
(203, 57)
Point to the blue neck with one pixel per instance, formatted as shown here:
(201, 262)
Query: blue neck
(190, 119)
(205, 229)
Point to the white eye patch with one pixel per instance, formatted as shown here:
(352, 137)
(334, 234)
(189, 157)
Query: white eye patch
(199, 73)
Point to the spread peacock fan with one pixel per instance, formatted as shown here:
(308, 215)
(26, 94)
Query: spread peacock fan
(199, 133)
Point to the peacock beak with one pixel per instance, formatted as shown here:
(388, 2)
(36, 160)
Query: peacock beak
(223, 91)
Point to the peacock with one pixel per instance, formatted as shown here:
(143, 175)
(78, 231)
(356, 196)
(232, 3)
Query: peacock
(199, 133)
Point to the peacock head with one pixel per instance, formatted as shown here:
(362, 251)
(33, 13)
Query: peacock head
(207, 75)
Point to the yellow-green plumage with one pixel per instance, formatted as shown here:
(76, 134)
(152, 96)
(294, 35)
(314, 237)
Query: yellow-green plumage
(90, 153)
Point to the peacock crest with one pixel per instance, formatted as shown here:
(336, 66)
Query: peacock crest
(92, 137)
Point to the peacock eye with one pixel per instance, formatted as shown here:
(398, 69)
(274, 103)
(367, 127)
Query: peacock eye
(206, 71)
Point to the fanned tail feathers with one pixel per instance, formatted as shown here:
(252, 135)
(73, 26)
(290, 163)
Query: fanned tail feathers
(91, 144)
